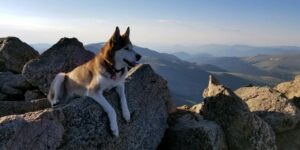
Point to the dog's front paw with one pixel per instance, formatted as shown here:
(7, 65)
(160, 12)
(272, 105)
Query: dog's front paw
(115, 132)
(126, 115)
(54, 102)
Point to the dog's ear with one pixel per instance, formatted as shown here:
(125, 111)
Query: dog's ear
(116, 36)
(126, 34)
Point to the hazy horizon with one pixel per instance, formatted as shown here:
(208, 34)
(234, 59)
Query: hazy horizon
(173, 48)
(159, 25)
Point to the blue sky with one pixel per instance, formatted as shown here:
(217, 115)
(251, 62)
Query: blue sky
(155, 23)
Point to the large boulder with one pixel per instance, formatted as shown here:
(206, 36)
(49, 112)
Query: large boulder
(290, 89)
(243, 130)
(190, 132)
(290, 139)
(15, 53)
(85, 124)
(64, 56)
(271, 106)
(34, 130)
(13, 86)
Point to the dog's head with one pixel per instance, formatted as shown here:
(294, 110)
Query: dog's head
(119, 50)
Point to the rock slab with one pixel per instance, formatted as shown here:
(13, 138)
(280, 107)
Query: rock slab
(187, 132)
(14, 54)
(290, 89)
(64, 56)
(271, 106)
(243, 130)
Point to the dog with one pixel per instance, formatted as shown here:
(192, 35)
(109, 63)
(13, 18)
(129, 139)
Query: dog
(106, 70)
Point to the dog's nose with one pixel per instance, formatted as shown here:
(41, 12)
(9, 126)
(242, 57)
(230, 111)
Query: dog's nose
(138, 57)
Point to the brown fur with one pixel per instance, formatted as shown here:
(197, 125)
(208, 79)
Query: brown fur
(100, 73)
(84, 77)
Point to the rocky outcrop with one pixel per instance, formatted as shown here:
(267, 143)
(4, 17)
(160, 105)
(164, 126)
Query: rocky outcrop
(270, 105)
(291, 90)
(243, 130)
(202, 135)
(289, 140)
(13, 86)
(196, 108)
(64, 56)
(82, 124)
(34, 130)
(14, 54)
(191, 132)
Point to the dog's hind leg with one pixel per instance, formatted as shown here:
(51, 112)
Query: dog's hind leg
(121, 92)
(56, 89)
(112, 116)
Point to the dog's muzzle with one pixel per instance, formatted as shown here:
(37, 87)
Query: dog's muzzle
(130, 64)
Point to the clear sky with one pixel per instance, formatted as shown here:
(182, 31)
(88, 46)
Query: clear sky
(155, 22)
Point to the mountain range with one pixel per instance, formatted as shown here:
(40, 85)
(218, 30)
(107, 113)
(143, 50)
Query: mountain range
(186, 80)
(220, 50)
(277, 66)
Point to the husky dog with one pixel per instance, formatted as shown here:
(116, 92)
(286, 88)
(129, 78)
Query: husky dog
(105, 71)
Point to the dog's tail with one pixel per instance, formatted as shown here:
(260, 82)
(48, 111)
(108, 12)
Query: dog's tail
(56, 91)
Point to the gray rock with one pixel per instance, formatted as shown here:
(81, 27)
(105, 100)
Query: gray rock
(192, 134)
(13, 85)
(34, 130)
(64, 56)
(3, 97)
(289, 140)
(33, 94)
(271, 106)
(21, 107)
(86, 125)
(244, 130)
(2, 66)
(14, 80)
(11, 91)
(15, 53)
(291, 88)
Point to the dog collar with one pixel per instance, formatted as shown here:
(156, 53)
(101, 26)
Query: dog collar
(112, 70)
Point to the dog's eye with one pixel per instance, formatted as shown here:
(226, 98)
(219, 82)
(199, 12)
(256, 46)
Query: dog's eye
(127, 48)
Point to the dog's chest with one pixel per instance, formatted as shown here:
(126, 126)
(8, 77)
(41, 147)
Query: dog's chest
(109, 83)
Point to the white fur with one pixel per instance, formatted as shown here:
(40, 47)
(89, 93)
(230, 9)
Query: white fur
(57, 82)
(125, 111)
(106, 83)
(100, 99)
(130, 55)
